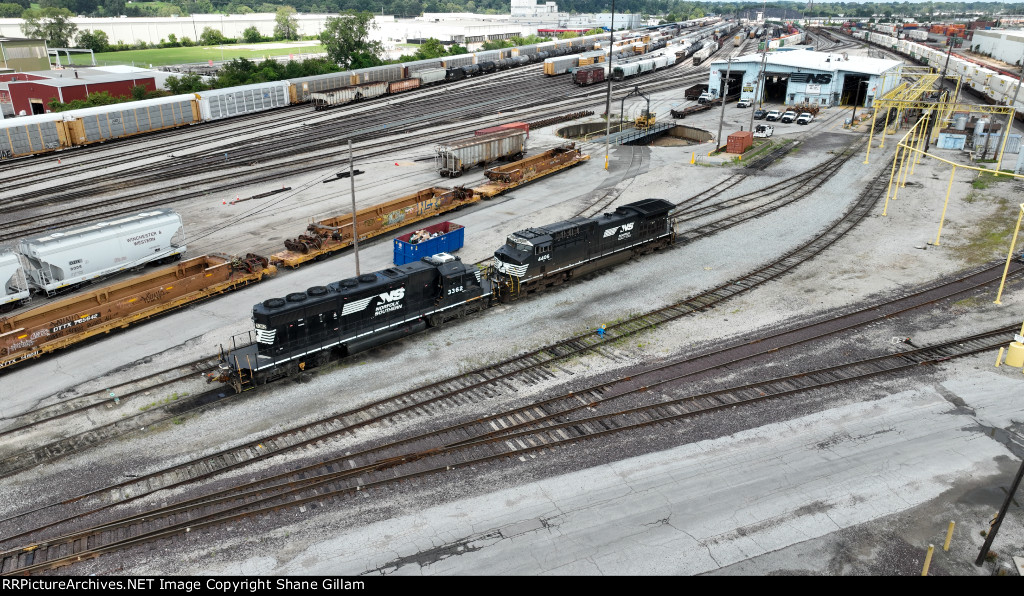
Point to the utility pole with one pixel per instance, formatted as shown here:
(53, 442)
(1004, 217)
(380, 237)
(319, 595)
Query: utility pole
(757, 89)
(725, 89)
(608, 104)
(355, 231)
(999, 518)
(1009, 117)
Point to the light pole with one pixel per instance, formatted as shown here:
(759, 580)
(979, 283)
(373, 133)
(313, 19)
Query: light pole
(757, 89)
(608, 104)
(725, 89)
(1009, 117)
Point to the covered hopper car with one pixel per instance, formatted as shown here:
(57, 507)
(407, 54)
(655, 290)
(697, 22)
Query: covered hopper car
(61, 261)
(15, 289)
(452, 159)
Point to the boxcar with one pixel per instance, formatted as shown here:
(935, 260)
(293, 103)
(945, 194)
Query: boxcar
(589, 75)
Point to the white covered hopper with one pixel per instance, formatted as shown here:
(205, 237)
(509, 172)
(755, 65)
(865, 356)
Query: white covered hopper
(63, 259)
(12, 276)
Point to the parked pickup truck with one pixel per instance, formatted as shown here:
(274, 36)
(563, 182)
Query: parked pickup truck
(788, 117)
(804, 118)
(763, 130)
(744, 103)
(706, 97)
(773, 115)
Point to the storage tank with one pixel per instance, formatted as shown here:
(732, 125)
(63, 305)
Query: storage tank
(960, 120)
(979, 126)
(60, 261)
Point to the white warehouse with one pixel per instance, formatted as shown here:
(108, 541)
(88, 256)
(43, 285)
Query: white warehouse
(1001, 44)
(803, 76)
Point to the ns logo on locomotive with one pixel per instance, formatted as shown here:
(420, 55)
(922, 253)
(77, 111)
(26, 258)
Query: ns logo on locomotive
(304, 329)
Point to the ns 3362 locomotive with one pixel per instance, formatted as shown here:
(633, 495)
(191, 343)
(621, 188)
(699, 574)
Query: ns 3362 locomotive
(305, 330)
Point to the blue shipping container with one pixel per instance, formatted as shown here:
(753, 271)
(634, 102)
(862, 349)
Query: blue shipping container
(443, 237)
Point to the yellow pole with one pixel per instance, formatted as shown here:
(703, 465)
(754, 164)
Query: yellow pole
(924, 136)
(871, 134)
(999, 358)
(1006, 136)
(915, 143)
(901, 175)
(928, 560)
(885, 129)
(949, 535)
(1009, 256)
(888, 189)
(942, 219)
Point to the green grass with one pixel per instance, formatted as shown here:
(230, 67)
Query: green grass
(990, 239)
(984, 180)
(197, 54)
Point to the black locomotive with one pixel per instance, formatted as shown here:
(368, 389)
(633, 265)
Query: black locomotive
(547, 256)
(303, 329)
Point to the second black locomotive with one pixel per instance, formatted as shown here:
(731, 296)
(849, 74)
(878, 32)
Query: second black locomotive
(303, 329)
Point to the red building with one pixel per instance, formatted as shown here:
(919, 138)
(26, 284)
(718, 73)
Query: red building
(32, 96)
(5, 95)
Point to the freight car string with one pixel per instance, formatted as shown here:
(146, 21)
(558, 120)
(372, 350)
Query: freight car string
(312, 183)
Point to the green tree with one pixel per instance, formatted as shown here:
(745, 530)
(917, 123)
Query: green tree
(10, 11)
(51, 24)
(186, 83)
(286, 26)
(113, 8)
(430, 48)
(93, 40)
(172, 41)
(497, 44)
(252, 35)
(457, 50)
(211, 37)
(347, 39)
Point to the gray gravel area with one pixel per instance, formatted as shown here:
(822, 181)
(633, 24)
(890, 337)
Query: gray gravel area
(854, 481)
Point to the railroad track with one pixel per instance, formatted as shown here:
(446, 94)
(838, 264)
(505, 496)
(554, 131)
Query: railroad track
(158, 412)
(529, 367)
(301, 141)
(183, 176)
(109, 397)
(540, 426)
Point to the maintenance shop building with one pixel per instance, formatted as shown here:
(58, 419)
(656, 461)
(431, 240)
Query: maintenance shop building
(803, 76)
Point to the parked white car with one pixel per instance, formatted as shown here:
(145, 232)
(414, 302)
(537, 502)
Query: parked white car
(804, 118)
(773, 115)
